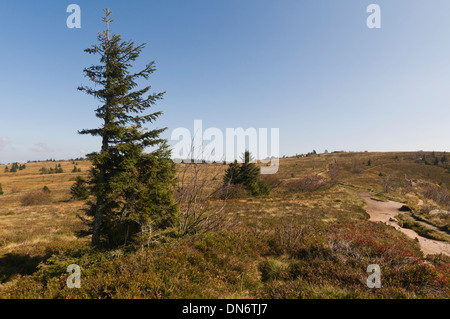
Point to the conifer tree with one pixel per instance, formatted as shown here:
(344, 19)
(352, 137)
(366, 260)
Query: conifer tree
(14, 168)
(247, 174)
(250, 174)
(232, 174)
(79, 190)
(133, 190)
(1, 190)
(436, 161)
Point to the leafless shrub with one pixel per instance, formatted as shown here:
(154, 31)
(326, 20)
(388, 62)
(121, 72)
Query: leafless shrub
(288, 237)
(438, 194)
(344, 249)
(307, 184)
(35, 198)
(231, 191)
(271, 181)
(334, 171)
(389, 182)
(356, 170)
(196, 194)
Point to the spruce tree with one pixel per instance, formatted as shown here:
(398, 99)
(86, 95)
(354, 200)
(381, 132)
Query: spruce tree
(436, 161)
(133, 190)
(250, 174)
(247, 174)
(79, 190)
(232, 174)
(14, 168)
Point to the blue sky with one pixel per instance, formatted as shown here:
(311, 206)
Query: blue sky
(311, 68)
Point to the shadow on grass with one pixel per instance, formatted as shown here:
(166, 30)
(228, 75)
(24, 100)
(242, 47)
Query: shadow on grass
(15, 264)
(82, 233)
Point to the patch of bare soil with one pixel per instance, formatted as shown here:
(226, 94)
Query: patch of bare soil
(385, 212)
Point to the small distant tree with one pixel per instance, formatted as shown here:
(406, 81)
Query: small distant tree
(1, 190)
(436, 161)
(444, 158)
(79, 190)
(6, 169)
(46, 189)
(14, 167)
(247, 174)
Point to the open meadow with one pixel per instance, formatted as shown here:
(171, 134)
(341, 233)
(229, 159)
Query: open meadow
(310, 238)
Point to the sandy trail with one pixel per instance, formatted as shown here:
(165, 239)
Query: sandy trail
(384, 211)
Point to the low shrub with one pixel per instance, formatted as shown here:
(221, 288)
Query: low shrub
(356, 170)
(35, 198)
(231, 191)
(273, 269)
(438, 194)
(308, 183)
(270, 180)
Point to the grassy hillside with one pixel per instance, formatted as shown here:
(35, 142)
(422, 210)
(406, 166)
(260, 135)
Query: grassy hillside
(311, 238)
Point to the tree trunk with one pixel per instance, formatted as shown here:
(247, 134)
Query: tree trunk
(100, 200)
(98, 213)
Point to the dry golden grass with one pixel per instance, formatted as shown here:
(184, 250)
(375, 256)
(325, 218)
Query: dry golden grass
(33, 230)
(330, 217)
(41, 225)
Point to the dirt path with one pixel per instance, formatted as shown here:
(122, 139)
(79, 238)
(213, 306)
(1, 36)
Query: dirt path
(384, 211)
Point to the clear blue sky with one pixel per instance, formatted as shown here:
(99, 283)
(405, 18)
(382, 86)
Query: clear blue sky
(310, 68)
